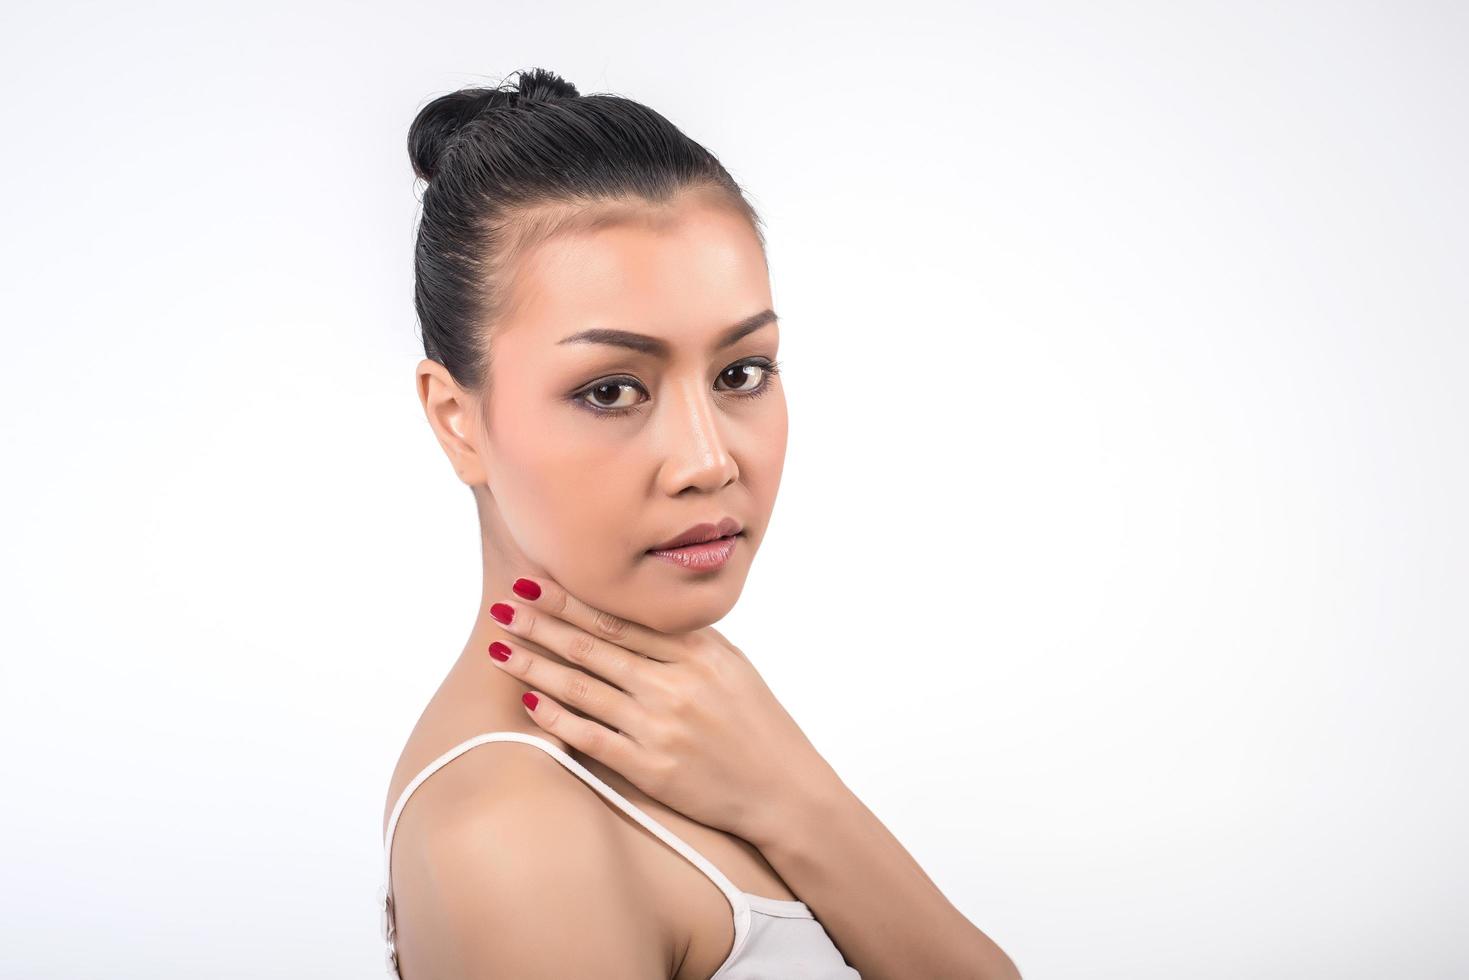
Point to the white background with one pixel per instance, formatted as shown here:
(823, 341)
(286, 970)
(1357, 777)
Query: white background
(1119, 564)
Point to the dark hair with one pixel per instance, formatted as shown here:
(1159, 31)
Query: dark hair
(511, 166)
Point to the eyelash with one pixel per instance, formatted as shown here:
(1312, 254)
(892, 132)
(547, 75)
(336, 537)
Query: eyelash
(769, 368)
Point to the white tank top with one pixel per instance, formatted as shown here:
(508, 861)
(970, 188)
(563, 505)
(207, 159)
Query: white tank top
(772, 937)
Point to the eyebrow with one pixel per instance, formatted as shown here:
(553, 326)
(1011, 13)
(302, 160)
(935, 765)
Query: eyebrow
(645, 344)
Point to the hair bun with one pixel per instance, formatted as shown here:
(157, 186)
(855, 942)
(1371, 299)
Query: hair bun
(437, 122)
(539, 85)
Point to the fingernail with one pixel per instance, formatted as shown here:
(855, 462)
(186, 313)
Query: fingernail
(530, 700)
(526, 589)
(503, 612)
(499, 651)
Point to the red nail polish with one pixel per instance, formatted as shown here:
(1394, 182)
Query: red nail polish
(503, 612)
(526, 589)
(499, 651)
(530, 700)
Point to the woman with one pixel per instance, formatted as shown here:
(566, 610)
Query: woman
(602, 786)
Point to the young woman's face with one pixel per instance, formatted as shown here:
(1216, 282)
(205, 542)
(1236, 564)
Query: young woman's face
(596, 451)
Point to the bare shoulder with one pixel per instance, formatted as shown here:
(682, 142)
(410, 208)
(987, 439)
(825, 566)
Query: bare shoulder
(508, 865)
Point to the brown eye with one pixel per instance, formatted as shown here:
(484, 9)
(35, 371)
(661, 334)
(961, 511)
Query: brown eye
(737, 375)
(608, 394)
(604, 398)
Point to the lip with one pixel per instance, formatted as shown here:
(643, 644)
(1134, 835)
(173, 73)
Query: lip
(705, 556)
(700, 533)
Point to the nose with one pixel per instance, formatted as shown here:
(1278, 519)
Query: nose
(697, 448)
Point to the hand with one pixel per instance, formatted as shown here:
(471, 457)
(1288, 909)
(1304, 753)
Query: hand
(686, 717)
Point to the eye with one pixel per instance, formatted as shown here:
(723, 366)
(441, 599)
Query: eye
(605, 399)
(608, 394)
(738, 374)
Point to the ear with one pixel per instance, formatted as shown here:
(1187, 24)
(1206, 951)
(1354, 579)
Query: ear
(453, 414)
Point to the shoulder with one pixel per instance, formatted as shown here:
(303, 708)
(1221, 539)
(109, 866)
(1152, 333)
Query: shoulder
(512, 866)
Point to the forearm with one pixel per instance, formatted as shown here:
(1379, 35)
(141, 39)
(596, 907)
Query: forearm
(885, 914)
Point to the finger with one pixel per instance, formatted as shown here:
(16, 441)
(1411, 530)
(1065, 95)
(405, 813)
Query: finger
(571, 687)
(612, 749)
(603, 658)
(550, 597)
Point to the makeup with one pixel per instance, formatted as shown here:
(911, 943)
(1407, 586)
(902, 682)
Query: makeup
(705, 556)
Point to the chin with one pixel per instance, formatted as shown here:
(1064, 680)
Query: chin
(676, 613)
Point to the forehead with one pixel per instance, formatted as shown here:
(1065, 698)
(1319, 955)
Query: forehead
(681, 272)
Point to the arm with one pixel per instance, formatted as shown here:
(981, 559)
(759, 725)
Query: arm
(510, 890)
(886, 915)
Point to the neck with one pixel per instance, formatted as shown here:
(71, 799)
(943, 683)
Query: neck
(476, 688)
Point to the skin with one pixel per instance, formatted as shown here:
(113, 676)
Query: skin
(567, 497)
(642, 691)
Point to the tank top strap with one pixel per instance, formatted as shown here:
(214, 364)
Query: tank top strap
(737, 898)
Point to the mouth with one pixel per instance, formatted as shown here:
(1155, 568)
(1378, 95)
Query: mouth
(698, 545)
(700, 555)
(705, 533)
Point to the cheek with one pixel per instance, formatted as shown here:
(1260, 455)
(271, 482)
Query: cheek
(564, 501)
(766, 453)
